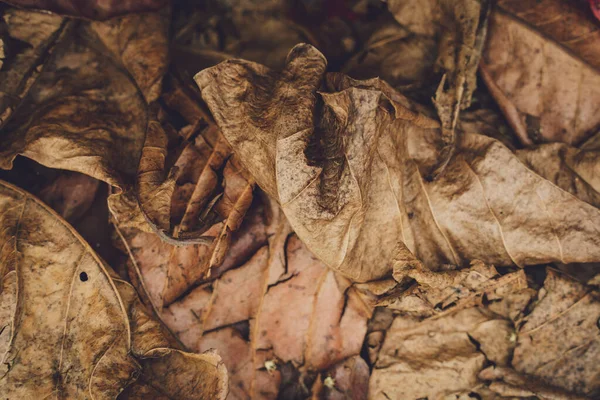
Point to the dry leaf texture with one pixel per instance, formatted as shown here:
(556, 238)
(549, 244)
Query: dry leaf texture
(271, 303)
(348, 160)
(82, 105)
(542, 64)
(93, 9)
(69, 329)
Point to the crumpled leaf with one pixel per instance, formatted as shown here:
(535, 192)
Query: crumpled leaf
(559, 341)
(445, 290)
(459, 29)
(95, 9)
(439, 357)
(194, 209)
(52, 285)
(542, 65)
(271, 303)
(27, 41)
(83, 112)
(349, 165)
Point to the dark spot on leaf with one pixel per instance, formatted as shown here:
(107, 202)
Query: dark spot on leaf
(83, 277)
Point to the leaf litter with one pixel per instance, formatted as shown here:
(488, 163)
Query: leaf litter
(300, 200)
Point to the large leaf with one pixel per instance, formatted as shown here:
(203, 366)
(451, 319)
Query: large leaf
(86, 111)
(69, 328)
(542, 64)
(349, 165)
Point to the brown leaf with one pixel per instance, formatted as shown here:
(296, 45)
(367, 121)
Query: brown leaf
(542, 63)
(271, 304)
(194, 210)
(456, 32)
(349, 164)
(83, 111)
(450, 290)
(27, 42)
(95, 9)
(509, 383)
(438, 356)
(560, 339)
(70, 195)
(52, 283)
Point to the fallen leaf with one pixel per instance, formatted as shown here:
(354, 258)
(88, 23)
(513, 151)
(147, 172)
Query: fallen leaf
(560, 339)
(194, 209)
(349, 165)
(508, 383)
(90, 9)
(84, 112)
(52, 282)
(273, 311)
(438, 356)
(541, 63)
(70, 195)
(450, 290)
(27, 42)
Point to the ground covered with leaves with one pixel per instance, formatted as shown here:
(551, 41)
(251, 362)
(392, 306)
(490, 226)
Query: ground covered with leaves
(300, 199)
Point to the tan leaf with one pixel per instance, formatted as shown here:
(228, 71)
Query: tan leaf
(541, 63)
(69, 329)
(349, 167)
(508, 383)
(439, 356)
(560, 339)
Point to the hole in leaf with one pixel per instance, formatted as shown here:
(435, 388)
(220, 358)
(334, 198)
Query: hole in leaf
(83, 277)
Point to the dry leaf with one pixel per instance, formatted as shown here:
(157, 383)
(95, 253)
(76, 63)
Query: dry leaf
(541, 63)
(274, 312)
(52, 285)
(194, 209)
(451, 289)
(349, 165)
(84, 112)
(94, 9)
(508, 383)
(71, 195)
(439, 356)
(559, 341)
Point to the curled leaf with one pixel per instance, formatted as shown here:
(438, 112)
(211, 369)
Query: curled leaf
(349, 163)
(84, 112)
